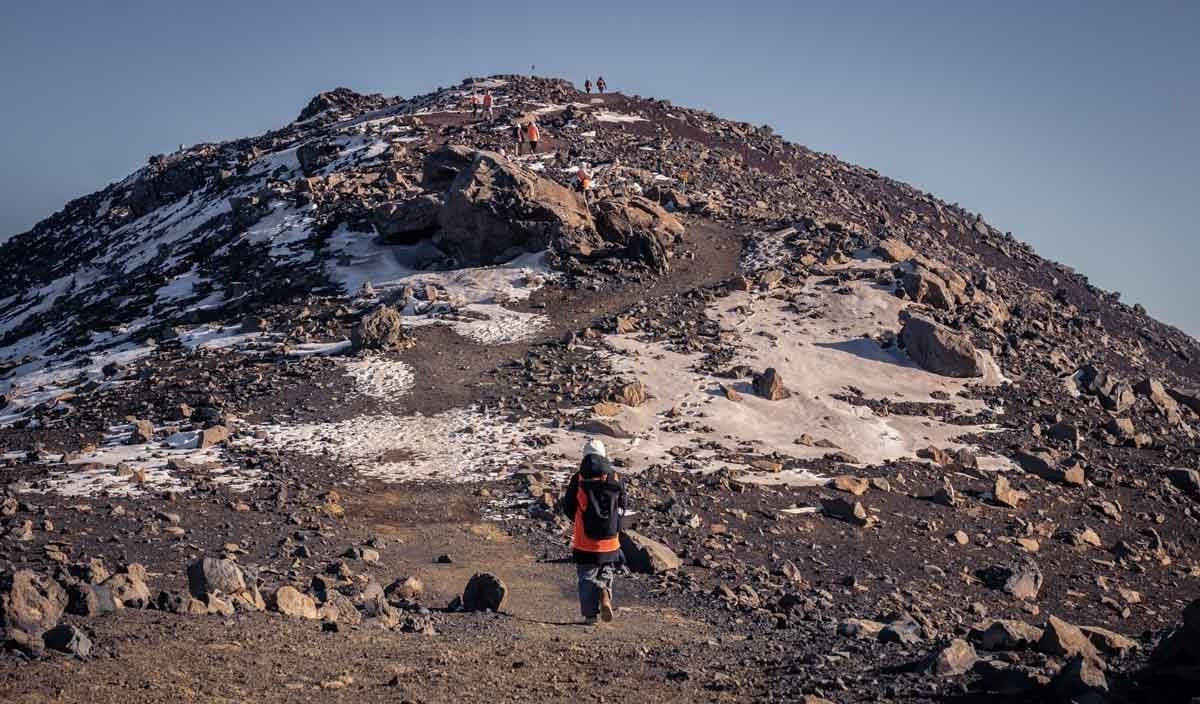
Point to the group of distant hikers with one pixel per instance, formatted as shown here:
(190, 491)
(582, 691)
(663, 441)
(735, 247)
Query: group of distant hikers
(601, 86)
(527, 131)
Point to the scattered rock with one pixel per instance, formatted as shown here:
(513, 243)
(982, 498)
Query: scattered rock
(484, 592)
(847, 511)
(769, 385)
(851, 485)
(647, 556)
(954, 659)
(68, 639)
(289, 601)
(1004, 495)
(1065, 639)
(1008, 634)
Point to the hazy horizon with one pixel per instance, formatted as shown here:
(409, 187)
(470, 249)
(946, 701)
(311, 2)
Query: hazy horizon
(1073, 127)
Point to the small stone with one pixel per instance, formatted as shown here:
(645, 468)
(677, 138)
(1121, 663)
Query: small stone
(851, 485)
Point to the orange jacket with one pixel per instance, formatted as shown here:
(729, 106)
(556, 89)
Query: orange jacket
(533, 134)
(579, 537)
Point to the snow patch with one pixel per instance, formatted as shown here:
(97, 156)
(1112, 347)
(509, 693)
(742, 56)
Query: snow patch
(460, 445)
(381, 378)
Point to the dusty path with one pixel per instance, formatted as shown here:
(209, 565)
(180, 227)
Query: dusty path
(534, 651)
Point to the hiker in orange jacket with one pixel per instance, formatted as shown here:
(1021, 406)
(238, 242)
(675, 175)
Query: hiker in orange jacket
(488, 102)
(533, 134)
(600, 84)
(595, 500)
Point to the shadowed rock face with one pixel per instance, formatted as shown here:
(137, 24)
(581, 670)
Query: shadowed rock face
(494, 209)
(939, 349)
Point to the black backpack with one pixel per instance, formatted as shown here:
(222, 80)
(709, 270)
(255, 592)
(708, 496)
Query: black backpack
(602, 487)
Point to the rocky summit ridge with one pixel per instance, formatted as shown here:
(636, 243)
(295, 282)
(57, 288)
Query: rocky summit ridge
(329, 380)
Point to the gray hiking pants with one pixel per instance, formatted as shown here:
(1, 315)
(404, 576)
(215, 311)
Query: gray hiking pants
(593, 578)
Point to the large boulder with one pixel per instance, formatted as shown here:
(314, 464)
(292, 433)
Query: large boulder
(381, 329)
(639, 225)
(494, 209)
(939, 349)
(408, 221)
(30, 605)
(647, 556)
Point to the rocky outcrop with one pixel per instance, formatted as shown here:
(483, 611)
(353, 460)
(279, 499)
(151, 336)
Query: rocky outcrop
(640, 225)
(343, 100)
(30, 605)
(939, 349)
(495, 210)
(409, 221)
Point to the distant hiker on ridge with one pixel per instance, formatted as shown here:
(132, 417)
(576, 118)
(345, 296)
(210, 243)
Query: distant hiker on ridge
(587, 85)
(595, 500)
(488, 102)
(476, 104)
(600, 84)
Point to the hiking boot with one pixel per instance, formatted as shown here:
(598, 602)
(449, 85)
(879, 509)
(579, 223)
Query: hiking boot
(590, 621)
(606, 607)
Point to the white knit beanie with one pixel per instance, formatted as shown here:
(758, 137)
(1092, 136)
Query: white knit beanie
(594, 447)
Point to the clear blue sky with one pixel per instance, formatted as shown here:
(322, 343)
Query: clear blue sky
(1076, 125)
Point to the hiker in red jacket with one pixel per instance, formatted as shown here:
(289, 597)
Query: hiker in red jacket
(488, 101)
(595, 500)
(600, 84)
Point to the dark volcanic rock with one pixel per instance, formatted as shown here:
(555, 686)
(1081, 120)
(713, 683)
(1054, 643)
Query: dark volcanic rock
(68, 639)
(484, 592)
(495, 209)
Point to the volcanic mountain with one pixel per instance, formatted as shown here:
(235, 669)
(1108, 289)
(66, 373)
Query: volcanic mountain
(288, 416)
